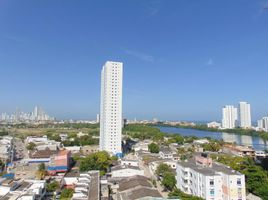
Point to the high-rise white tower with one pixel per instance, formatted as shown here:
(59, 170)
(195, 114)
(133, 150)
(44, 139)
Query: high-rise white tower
(111, 107)
(229, 117)
(244, 115)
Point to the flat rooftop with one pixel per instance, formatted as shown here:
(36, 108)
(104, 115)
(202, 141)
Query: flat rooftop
(209, 171)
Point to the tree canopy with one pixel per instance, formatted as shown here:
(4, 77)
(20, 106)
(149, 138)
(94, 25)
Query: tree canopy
(96, 161)
(66, 194)
(153, 148)
(31, 146)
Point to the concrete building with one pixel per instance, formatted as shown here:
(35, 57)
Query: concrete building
(263, 124)
(61, 162)
(6, 146)
(229, 117)
(128, 162)
(165, 153)
(203, 178)
(122, 171)
(86, 185)
(111, 108)
(213, 125)
(244, 115)
(134, 188)
(238, 150)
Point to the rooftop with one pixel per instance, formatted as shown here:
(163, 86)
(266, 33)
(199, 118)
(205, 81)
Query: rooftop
(120, 167)
(209, 171)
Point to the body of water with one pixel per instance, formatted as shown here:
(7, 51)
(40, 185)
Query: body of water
(256, 142)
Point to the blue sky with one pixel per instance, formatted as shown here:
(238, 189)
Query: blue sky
(183, 59)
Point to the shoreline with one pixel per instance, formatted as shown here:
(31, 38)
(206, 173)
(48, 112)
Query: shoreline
(263, 135)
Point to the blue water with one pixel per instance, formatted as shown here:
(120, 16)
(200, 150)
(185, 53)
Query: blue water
(256, 142)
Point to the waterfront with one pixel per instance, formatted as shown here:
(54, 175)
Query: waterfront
(256, 142)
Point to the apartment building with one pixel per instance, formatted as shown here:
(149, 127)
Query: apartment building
(202, 177)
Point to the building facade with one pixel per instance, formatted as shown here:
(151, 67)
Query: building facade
(111, 108)
(229, 117)
(244, 115)
(203, 178)
(263, 124)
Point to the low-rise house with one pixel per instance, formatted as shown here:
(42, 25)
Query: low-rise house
(89, 149)
(213, 125)
(73, 149)
(165, 153)
(202, 177)
(134, 188)
(24, 190)
(43, 143)
(63, 136)
(238, 150)
(61, 162)
(35, 139)
(6, 144)
(154, 164)
(121, 171)
(86, 185)
(40, 156)
(128, 162)
(201, 141)
(142, 146)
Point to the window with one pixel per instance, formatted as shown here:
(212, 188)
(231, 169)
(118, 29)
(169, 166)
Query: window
(239, 181)
(211, 192)
(211, 182)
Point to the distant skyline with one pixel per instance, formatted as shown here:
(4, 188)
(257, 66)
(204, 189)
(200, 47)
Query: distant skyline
(183, 60)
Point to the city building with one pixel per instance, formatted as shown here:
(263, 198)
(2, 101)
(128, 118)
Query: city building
(121, 171)
(38, 115)
(128, 162)
(134, 188)
(201, 177)
(213, 125)
(238, 150)
(61, 162)
(244, 115)
(263, 124)
(6, 148)
(229, 117)
(111, 108)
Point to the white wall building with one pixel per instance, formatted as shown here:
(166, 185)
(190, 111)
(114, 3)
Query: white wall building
(244, 115)
(122, 171)
(200, 177)
(229, 117)
(213, 125)
(111, 107)
(127, 162)
(263, 124)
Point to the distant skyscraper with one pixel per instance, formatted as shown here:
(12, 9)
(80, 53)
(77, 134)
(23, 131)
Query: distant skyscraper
(244, 115)
(229, 117)
(111, 107)
(263, 124)
(98, 118)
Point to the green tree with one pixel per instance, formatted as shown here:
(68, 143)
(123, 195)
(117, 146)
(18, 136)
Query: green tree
(178, 139)
(41, 173)
(168, 181)
(153, 148)
(212, 146)
(31, 146)
(53, 186)
(96, 161)
(162, 169)
(66, 194)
